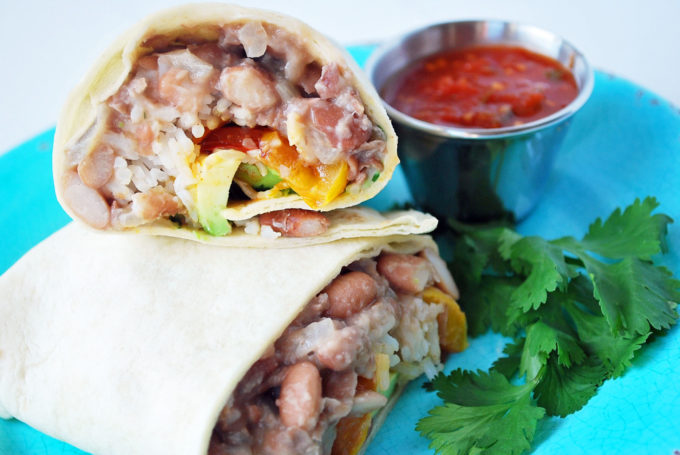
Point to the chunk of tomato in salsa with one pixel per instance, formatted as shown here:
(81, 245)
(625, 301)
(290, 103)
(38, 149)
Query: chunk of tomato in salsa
(482, 86)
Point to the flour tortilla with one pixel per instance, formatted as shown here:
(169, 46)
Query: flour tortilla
(352, 222)
(79, 115)
(125, 345)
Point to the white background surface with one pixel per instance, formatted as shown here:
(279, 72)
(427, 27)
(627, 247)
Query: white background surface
(48, 45)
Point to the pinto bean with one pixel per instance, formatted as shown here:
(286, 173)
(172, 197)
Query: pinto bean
(342, 128)
(278, 441)
(300, 399)
(212, 53)
(406, 273)
(171, 87)
(231, 418)
(248, 87)
(328, 343)
(156, 203)
(253, 36)
(339, 388)
(97, 168)
(186, 82)
(145, 136)
(350, 293)
(313, 311)
(331, 83)
(85, 202)
(340, 385)
(310, 76)
(289, 50)
(341, 350)
(296, 222)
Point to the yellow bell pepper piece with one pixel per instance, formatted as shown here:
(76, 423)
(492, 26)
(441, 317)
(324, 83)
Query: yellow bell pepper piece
(382, 372)
(351, 433)
(317, 184)
(452, 322)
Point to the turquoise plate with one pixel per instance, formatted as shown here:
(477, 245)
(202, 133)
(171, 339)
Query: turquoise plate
(625, 144)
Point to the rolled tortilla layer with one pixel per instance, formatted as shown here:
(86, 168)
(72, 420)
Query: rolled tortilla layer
(131, 345)
(351, 222)
(125, 164)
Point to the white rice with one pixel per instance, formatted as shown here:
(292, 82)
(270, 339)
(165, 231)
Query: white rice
(418, 337)
(197, 130)
(141, 178)
(136, 113)
(268, 232)
(252, 227)
(187, 120)
(213, 122)
(241, 116)
(222, 106)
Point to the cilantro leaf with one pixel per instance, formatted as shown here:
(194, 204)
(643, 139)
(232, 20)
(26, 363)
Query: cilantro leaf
(484, 414)
(477, 250)
(541, 341)
(508, 365)
(506, 240)
(485, 304)
(634, 294)
(476, 388)
(473, 258)
(581, 291)
(553, 313)
(635, 232)
(546, 269)
(562, 390)
(616, 352)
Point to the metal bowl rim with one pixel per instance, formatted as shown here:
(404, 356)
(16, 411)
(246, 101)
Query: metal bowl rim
(481, 133)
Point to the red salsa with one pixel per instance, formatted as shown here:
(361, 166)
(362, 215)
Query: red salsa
(482, 87)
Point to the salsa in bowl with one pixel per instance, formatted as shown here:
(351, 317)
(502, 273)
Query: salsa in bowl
(481, 108)
(482, 87)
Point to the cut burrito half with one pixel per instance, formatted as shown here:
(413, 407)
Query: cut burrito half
(207, 114)
(125, 345)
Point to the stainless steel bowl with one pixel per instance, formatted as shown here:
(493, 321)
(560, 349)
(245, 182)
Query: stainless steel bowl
(479, 174)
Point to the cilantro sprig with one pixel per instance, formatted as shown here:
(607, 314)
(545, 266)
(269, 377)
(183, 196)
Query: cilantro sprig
(577, 312)
(483, 413)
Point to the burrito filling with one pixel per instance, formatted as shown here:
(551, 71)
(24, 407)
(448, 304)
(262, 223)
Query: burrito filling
(200, 127)
(380, 323)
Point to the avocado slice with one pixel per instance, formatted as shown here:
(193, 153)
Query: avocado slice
(250, 174)
(387, 393)
(393, 384)
(215, 172)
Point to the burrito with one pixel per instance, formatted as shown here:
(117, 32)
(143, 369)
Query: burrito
(210, 114)
(125, 345)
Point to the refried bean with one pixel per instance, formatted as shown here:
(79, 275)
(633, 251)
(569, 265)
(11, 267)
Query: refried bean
(324, 367)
